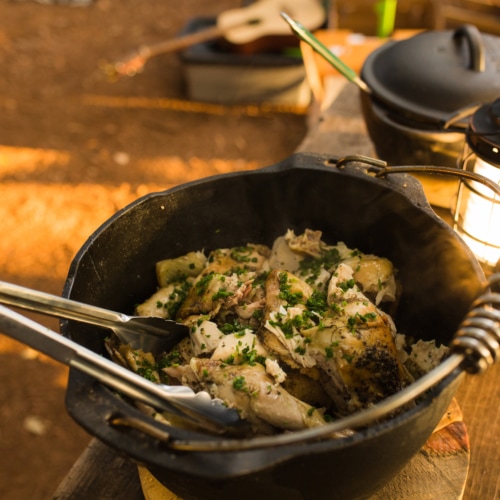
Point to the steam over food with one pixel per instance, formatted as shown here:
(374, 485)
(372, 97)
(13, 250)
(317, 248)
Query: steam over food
(293, 336)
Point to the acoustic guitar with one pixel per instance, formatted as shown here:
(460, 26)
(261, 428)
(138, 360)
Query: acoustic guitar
(254, 28)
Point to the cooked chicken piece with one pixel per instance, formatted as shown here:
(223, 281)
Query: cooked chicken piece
(261, 401)
(184, 375)
(352, 342)
(238, 348)
(237, 260)
(165, 302)
(286, 314)
(283, 257)
(179, 355)
(274, 369)
(308, 243)
(280, 332)
(306, 256)
(307, 387)
(283, 289)
(211, 292)
(249, 310)
(375, 276)
(136, 360)
(355, 346)
(278, 349)
(425, 356)
(226, 281)
(204, 334)
(245, 347)
(290, 250)
(188, 265)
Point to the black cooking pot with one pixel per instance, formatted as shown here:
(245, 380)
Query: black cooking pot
(423, 91)
(387, 216)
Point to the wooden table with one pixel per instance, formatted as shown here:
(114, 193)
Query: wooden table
(102, 473)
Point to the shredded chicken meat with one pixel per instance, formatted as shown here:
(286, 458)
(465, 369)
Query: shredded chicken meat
(291, 335)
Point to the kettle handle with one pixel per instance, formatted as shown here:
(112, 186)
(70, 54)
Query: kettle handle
(475, 43)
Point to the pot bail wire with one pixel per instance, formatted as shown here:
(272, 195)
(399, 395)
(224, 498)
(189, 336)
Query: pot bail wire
(478, 337)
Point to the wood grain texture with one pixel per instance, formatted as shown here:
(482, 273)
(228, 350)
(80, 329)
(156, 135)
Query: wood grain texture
(439, 470)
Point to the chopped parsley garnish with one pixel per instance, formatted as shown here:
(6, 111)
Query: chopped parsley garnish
(346, 285)
(357, 318)
(175, 299)
(348, 357)
(251, 357)
(234, 327)
(223, 293)
(229, 360)
(243, 254)
(300, 350)
(239, 383)
(174, 358)
(312, 265)
(147, 370)
(329, 349)
(317, 302)
(292, 298)
(258, 314)
(299, 322)
(201, 285)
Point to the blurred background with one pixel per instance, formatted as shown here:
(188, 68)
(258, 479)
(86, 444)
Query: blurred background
(77, 144)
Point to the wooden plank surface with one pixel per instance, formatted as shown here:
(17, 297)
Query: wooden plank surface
(439, 470)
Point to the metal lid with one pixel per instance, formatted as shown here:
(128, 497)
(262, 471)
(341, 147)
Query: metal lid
(483, 135)
(436, 74)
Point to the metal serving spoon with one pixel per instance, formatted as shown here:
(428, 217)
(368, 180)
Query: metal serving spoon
(305, 35)
(196, 409)
(150, 334)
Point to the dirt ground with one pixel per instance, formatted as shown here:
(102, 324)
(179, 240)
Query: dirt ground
(74, 148)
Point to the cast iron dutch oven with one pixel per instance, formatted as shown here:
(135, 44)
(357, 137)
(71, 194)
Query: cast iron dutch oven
(423, 90)
(388, 216)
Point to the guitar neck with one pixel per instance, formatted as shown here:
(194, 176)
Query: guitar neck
(183, 42)
(237, 26)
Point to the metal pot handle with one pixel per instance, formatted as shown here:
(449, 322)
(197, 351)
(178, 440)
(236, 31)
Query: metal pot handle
(381, 169)
(475, 43)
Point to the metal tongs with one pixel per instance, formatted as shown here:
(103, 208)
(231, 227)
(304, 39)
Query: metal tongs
(197, 410)
(151, 334)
